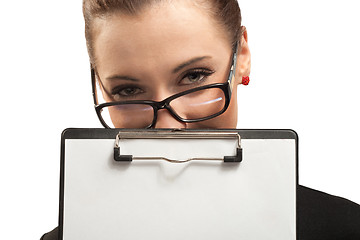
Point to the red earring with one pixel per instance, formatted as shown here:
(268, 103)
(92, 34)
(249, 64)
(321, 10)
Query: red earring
(245, 80)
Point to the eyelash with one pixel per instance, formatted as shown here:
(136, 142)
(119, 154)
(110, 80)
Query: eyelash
(115, 92)
(202, 71)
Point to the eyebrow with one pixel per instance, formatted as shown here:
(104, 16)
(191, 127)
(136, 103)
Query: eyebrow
(187, 63)
(177, 69)
(122, 77)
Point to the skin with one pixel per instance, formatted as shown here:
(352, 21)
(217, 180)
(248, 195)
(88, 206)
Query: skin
(144, 50)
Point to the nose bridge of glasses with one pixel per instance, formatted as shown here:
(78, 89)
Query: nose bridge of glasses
(161, 104)
(163, 107)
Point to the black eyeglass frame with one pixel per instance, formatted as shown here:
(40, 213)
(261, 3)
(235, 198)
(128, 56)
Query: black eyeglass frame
(165, 104)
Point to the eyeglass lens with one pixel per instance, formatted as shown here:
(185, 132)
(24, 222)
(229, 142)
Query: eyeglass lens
(192, 106)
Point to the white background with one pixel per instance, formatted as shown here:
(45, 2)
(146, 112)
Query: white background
(305, 76)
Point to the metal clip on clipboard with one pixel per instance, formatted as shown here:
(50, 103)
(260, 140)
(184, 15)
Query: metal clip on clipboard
(177, 134)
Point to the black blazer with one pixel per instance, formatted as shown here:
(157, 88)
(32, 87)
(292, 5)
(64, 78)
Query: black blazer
(320, 216)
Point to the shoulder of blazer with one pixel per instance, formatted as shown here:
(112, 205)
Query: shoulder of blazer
(324, 216)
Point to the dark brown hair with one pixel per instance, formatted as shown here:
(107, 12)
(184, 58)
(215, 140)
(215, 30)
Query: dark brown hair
(225, 12)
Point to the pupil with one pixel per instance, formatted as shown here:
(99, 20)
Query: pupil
(193, 77)
(129, 91)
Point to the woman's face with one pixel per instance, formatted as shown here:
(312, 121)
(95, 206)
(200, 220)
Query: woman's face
(165, 49)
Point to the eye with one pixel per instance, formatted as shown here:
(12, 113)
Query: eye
(195, 76)
(122, 92)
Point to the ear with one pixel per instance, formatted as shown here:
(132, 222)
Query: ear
(243, 63)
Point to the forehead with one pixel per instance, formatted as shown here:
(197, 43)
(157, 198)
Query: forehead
(160, 33)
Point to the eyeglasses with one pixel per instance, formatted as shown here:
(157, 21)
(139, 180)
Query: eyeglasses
(193, 105)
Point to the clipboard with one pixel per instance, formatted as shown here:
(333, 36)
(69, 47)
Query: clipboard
(178, 184)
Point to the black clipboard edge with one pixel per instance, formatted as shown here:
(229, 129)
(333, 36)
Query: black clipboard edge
(101, 133)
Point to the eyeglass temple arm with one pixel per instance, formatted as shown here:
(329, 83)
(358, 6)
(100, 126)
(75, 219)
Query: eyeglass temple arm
(93, 84)
(231, 78)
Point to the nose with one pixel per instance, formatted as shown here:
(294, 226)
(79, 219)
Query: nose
(166, 120)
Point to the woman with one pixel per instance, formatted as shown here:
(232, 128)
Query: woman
(177, 64)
